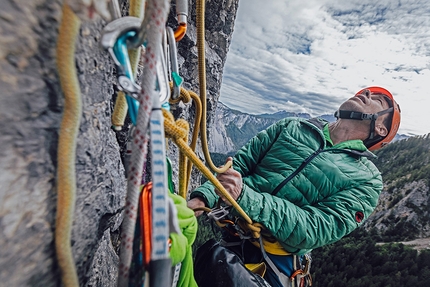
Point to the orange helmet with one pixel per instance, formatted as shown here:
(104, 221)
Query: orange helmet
(376, 142)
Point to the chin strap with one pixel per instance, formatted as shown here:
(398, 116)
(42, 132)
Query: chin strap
(340, 114)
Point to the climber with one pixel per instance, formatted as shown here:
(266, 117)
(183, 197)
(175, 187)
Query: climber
(310, 182)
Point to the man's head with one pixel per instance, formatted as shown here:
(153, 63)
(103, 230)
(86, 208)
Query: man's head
(377, 110)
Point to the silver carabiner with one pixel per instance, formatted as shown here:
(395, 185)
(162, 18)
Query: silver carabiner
(174, 67)
(114, 8)
(114, 30)
(162, 74)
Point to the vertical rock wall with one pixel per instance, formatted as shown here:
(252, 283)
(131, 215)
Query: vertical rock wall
(31, 104)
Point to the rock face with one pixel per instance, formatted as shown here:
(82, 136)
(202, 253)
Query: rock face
(31, 106)
(402, 213)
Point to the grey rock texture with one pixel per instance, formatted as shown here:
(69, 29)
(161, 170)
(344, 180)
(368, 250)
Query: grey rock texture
(403, 212)
(31, 104)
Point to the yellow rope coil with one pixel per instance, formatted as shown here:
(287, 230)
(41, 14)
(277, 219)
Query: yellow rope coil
(178, 131)
(183, 162)
(66, 177)
(197, 120)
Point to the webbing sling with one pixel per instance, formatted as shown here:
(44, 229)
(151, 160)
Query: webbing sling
(284, 279)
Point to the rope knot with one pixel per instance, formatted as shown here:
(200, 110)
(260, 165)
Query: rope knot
(183, 96)
(175, 130)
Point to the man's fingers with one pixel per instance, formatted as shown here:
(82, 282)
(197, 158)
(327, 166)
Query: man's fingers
(227, 174)
(198, 213)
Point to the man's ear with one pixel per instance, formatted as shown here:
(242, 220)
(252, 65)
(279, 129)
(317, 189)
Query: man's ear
(381, 130)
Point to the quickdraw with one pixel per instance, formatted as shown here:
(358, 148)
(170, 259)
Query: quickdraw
(148, 100)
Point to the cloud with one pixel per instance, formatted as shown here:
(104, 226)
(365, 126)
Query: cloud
(310, 56)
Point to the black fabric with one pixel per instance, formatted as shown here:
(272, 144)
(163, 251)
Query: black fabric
(249, 253)
(217, 266)
(353, 115)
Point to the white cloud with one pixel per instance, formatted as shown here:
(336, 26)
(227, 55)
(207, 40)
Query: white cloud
(310, 56)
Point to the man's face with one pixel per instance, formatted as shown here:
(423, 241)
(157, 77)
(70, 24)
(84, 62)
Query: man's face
(366, 102)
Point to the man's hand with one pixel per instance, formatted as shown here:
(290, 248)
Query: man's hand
(195, 203)
(231, 180)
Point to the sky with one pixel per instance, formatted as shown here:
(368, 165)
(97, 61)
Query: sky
(310, 56)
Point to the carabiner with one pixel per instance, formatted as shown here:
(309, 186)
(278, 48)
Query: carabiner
(114, 8)
(114, 39)
(162, 82)
(145, 202)
(174, 68)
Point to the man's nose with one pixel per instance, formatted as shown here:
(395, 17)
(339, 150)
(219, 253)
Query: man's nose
(366, 93)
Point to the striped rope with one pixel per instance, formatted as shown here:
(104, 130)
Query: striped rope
(157, 11)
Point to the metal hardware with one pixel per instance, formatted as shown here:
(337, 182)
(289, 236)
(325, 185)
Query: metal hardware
(174, 68)
(114, 40)
(218, 213)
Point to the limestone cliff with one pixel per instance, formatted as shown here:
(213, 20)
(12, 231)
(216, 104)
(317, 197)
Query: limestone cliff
(31, 105)
(403, 213)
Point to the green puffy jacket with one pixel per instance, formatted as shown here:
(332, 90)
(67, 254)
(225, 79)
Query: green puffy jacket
(321, 201)
(323, 192)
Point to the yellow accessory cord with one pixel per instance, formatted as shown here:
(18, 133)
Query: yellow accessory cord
(185, 166)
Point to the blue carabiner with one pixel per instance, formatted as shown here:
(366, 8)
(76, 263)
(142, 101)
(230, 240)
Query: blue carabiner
(121, 52)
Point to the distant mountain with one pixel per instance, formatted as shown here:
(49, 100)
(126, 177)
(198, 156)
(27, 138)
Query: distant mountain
(232, 129)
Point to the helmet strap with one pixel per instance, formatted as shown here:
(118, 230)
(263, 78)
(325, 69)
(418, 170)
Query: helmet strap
(341, 114)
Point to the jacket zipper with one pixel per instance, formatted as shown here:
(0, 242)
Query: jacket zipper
(299, 169)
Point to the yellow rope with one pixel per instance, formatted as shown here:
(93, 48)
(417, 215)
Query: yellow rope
(184, 177)
(135, 10)
(200, 22)
(197, 121)
(177, 132)
(66, 177)
(120, 109)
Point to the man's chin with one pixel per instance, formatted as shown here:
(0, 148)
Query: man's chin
(351, 105)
